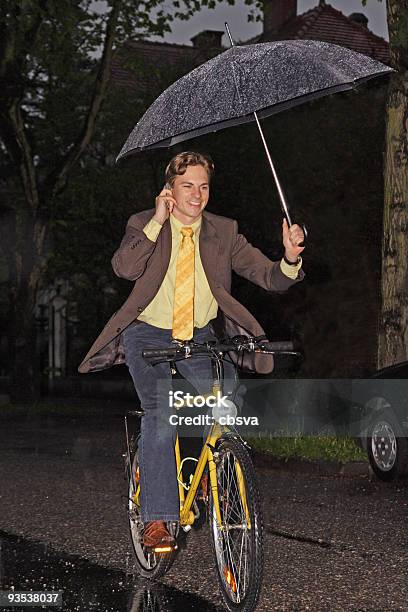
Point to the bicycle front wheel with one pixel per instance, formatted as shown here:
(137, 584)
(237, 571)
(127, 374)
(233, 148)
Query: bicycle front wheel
(238, 539)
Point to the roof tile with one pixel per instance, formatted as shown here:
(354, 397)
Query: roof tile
(326, 23)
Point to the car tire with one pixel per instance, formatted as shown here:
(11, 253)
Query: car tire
(387, 450)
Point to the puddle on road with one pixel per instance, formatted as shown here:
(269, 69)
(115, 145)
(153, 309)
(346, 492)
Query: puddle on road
(34, 566)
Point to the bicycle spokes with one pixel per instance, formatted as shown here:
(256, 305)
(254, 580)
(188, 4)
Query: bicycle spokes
(234, 536)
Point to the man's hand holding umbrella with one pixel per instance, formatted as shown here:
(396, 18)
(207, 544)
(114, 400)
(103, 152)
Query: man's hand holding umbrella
(292, 237)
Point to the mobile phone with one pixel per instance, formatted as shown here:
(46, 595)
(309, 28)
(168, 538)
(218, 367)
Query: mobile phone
(167, 186)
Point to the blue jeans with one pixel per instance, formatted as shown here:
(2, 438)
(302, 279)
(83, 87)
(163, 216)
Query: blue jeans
(158, 478)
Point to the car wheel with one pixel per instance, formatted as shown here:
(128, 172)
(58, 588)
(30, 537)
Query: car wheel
(387, 450)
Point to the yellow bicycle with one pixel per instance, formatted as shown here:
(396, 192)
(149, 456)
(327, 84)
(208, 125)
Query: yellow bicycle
(234, 506)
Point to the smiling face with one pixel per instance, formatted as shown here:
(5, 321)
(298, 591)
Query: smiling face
(191, 191)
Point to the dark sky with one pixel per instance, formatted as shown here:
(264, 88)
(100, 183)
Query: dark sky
(236, 16)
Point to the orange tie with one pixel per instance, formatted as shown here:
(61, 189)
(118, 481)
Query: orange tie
(183, 307)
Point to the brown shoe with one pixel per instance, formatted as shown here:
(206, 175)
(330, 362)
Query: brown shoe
(157, 537)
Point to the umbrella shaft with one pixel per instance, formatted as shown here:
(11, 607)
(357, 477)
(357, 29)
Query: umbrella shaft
(282, 198)
(229, 34)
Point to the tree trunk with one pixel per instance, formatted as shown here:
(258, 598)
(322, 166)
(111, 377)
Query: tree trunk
(25, 380)
(25, 270)
(393, 332)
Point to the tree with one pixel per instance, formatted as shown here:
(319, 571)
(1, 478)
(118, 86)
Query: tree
(393, 331)
(90, 215)
(52, 90)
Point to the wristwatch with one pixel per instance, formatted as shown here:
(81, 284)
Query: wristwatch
(292, 263)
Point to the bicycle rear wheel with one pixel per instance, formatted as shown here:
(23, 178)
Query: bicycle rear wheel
(238, 541)
(149, 564)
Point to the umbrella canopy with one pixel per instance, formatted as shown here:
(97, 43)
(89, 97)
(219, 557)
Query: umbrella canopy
(263, 78)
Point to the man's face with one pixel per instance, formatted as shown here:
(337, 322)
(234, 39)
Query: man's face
(191, 191)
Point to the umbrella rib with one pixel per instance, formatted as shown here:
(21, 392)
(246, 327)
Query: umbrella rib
(235, 82)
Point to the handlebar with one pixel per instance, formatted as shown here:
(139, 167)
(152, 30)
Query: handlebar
(238, 343)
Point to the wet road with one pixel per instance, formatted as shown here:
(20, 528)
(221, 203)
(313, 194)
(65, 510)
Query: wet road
(331, 543)
(86, 586)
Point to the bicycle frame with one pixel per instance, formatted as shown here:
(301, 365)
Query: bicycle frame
(187, 516)
(206, 456)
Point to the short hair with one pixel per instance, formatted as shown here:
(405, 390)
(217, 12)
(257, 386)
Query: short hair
(179, 163)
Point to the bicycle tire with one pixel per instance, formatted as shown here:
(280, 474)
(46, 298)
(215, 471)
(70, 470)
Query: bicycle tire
(237, 597)
(149, 565)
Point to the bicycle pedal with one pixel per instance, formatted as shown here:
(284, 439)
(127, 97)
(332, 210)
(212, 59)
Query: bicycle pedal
(162, 550)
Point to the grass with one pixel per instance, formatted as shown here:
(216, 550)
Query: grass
(328, 448)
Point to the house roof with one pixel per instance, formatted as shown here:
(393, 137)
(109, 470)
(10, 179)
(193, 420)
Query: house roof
(320, 23)
(330, 25)
(151, 56)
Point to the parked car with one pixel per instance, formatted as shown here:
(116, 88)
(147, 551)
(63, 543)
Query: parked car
(384, 426)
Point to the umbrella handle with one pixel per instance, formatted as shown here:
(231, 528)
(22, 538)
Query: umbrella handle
(304, 228)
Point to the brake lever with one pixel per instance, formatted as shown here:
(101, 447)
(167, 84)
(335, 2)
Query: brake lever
(251, 344)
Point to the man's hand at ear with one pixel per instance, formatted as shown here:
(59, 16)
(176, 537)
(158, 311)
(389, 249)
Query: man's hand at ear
(164, 205)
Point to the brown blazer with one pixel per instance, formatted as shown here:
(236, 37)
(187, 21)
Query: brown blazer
(222, 250)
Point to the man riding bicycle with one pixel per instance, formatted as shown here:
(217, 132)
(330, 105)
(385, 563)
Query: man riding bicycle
(181, 258)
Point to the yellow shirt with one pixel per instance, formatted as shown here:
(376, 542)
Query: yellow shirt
(159, 312)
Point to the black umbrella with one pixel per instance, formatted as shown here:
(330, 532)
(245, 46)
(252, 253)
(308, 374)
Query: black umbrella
(246, 83)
